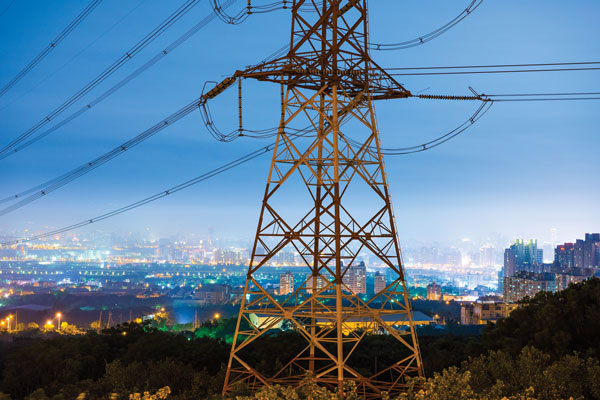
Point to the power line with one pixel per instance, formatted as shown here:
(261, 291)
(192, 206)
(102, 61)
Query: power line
(156, 32)
(36, 85)
(498, 65)
(53, 184)
(487, 101)
(7, 7)
(431, 35)
(61, 36)
(207, 175)
(495, 71)
(45, 188)
(159, 56)
(50, 186)
(217, 171)
(479, 113)
(37, 192)
(239, 161)
(514, 96)
(543, 96)
(553, 99)
(183, 38)
(401, 45)
(250, 9)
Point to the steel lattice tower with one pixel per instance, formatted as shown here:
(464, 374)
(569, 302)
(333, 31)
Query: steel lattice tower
(329, 80)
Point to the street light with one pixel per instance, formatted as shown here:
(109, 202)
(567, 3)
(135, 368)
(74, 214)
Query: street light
(58, 315)
(217, 315)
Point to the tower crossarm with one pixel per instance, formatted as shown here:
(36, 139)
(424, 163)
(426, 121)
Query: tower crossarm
(374, 80)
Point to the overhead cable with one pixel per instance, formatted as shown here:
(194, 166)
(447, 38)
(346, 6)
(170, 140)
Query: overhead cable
(50, 186)
(431, 35)
(7, 7)
(61, 36)
(495, 71)
(569, 96)
(210, 174)
(250, 9)
(74, 57)
(497, 65)
(27, 196)
(207, 175)
(480, 112)
(149, 38)
(159, 56)
(400, 45)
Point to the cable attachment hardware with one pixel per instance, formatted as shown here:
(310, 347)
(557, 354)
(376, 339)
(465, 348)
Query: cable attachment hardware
(219, 88)
(241, 126)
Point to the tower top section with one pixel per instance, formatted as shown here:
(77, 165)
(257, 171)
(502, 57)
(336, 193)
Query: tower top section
(329, 47)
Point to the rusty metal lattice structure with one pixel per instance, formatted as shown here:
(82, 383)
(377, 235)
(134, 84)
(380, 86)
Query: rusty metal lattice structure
(328, 80)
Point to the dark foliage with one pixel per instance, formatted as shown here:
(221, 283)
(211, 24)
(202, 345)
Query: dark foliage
(131, 358)
(556, 323)
(137, 358)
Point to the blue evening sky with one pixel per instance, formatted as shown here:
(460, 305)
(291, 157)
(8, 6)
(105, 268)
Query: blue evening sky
(521, 170)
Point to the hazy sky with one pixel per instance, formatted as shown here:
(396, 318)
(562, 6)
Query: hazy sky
(521, 170)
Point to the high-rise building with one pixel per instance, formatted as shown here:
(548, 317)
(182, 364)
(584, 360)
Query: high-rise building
(564, 280)
(525, 283)
(286, 283)
(564, 256)
(434, 292)
(286, 258)
(500, 281)
(487, 256)
(578, 253)
(379, 282)
(356, 278)
(522, 256)
(510, 261)
(589, 250)
(321, 283)
(586, 251)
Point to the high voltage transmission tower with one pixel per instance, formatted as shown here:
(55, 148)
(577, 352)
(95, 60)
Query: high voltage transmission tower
(328, 80)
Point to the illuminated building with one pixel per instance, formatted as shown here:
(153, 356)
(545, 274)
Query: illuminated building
(487, 256)
(356, 278)
(564, 256)
(564, 280)
(214, 294)
(379, 282)
(500, 281)
(286, 283)
(321, 282)
(287, 258)
(586, 251)
(434, 292)
(485, 309)
(522, 256)
(525, 283)
(396, 321)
